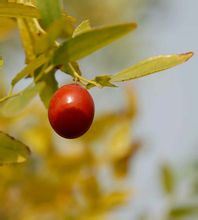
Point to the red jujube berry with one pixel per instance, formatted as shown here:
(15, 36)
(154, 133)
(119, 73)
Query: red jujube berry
(71, 111)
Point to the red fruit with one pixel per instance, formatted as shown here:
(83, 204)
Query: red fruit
(71, 111)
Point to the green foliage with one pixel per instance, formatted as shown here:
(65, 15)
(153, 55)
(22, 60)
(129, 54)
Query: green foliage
(50, 11)
(12, 105)
(40, 26)
(167, 179)
(18, 10)
(12, 151)
(44, 55)
(88, 42)
(50, 86)
(29, 69)
(149, 66)
(84, 26)
(1, 62)
(183, 211)
(67, 183)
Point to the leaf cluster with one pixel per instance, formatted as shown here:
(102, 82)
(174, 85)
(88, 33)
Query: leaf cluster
(62, 180)
(52, 42)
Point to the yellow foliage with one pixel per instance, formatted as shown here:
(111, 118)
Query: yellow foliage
(63, 182)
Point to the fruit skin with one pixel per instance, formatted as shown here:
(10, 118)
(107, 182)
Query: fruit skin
(71, 111)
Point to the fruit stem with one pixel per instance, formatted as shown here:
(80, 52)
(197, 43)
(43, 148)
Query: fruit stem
(83, 80)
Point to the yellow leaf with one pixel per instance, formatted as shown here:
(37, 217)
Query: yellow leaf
(18, 10)
(151, 65)
(30, 68)
(81, 28)
(167, 179)
(1, 62)
(11, 150)
(7, 25)
(27, 40)
(88, 42)
(12, 105)
(120, 140)
(114, 199)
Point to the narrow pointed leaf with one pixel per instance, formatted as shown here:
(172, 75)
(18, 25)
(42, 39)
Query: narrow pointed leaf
(86, 43)
(50, 11)
(183, 211)
(149, 66)
(103, 81)
(13, 105)
(1, 62)
(82, 27)
(50, 86)
(48, 39)
(18, 10)
(167, 179)
(29, 69)
(27, 40)
(12, 151)
(114, 199)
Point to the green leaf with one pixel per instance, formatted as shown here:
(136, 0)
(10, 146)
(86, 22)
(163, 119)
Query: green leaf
(103, 81)
(151, 65)
(66, 68)
(1, 62)
(114, 199)
(12, 105)
(48, 39)
(50, 86)
(167, 179)
(183, 211)
(30, 68)
(82, 28)
(88, 42)
(50, 11)
(12, 151)
(26, 39)
(18, 10)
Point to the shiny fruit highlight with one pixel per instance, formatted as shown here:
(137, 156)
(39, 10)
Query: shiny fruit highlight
(71, 111)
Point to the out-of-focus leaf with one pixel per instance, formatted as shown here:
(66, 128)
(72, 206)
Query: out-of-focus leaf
(7, 25)
(39, 136)
(12, 151)
(81, 28)
(131, 98)
(69, 22)
(114, 199)
(11, 106)
(48, 39)
(27, 40)
(120, 140)
(167, 179)
(183, 211)
(122, 164)
(91, 188)
(86, 43)
(50, 86)
(151, 65)
(1, 62)
(103, 81)
(18, 10)
(30, 68)
(67, 69)
(50, 11)
(101, 126)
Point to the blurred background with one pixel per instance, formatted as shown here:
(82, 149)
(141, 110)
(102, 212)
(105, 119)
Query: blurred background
(166, 121)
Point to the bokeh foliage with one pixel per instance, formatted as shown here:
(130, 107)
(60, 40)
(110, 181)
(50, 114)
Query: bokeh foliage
(66, 182)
